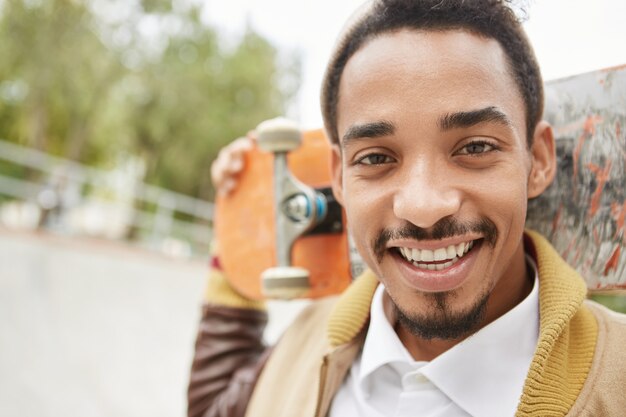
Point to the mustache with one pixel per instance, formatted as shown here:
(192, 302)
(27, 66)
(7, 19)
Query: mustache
(445, 228)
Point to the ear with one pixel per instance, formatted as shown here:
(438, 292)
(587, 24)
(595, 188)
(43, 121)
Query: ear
(337, 173)
(543, 160)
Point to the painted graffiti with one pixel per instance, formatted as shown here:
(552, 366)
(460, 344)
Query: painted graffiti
(584, 210)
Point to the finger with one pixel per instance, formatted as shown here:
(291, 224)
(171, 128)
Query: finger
(231, 166)
(235, 165)
(227, 186)
(217, 170)
(233, 155)
(229, 162)
(241, 145)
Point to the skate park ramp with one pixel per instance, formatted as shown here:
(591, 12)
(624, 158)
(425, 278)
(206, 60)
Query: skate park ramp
(91, 328)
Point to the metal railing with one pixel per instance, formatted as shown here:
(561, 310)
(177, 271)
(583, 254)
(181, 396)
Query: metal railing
(152, 216)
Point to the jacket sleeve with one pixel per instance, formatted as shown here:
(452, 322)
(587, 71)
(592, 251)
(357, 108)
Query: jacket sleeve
(229, 352)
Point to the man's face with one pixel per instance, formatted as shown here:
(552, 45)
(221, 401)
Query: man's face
(432, 170)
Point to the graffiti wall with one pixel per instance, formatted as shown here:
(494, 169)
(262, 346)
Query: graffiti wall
(583, 212)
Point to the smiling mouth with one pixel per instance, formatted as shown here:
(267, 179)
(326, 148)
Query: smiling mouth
(438, 259)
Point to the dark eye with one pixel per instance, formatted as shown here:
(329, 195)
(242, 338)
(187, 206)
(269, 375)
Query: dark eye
(375, 159)
(476, 148)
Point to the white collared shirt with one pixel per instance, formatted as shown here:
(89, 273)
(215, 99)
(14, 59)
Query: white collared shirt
(482, 376)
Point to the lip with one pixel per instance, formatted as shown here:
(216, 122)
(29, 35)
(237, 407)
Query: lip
(438, 281)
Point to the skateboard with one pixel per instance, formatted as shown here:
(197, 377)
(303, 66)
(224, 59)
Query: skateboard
(582, 213)
(266, 248)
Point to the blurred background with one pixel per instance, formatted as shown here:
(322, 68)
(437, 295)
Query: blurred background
(111, 112)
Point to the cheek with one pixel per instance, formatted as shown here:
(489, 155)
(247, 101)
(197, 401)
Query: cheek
(366, 211)
(510, 201)
(362, 201)
(505, 200)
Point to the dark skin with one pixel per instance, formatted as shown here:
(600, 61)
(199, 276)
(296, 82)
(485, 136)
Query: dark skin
(427, 138)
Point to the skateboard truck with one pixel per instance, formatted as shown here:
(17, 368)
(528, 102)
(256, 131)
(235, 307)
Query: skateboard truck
(298, 209)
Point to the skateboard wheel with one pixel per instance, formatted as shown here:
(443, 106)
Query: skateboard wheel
(278, 135)
(285, 282)
(300, 208)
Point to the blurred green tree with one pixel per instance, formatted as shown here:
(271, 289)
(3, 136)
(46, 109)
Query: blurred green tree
(55, 75)
(99, 80)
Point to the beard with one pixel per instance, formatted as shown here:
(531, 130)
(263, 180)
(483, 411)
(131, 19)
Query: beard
(442, 323)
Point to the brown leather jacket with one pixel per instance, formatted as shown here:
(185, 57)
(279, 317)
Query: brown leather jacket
(229, 357)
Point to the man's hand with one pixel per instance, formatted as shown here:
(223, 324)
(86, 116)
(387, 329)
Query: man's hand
(229, 163)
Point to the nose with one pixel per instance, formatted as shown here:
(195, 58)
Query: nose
(426, 195)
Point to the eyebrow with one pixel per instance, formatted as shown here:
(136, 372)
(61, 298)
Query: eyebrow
(448, 121)
(368, 130)
(471, 118)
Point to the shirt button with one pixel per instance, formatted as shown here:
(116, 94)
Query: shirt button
(419, 378)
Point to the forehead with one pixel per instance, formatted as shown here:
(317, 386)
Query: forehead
(419, 73)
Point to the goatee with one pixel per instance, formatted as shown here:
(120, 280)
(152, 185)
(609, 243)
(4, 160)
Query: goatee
(443, 323)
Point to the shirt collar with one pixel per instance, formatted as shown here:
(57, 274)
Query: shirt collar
(382, 345)
(492, 363)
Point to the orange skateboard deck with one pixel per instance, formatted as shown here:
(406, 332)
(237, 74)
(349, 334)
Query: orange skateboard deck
(245, 224)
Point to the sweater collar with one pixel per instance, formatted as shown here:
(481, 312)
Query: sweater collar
(567, 336)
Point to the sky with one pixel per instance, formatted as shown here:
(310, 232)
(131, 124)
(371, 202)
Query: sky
(569, 36)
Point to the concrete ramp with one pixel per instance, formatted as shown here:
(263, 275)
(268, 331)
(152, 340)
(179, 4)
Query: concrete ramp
(92, 329)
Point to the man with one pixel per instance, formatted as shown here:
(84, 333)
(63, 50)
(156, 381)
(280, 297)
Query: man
(434, 112)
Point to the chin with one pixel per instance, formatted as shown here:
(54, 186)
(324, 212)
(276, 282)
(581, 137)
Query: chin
(443, 320)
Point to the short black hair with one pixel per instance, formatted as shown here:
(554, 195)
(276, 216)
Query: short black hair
(493, 19)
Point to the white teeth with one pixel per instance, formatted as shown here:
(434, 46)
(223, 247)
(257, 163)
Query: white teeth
(436, 267)
(440, 254)
(451, 253)
(427, 255)
(460, 249)
(440, 267)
